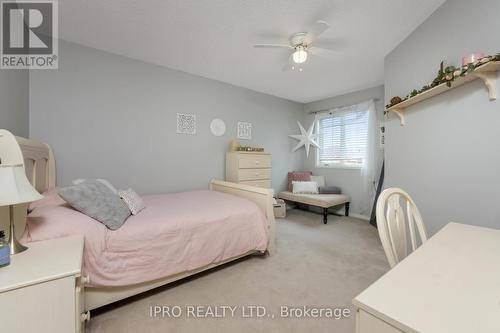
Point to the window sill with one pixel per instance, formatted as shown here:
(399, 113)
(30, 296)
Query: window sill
(341, 166)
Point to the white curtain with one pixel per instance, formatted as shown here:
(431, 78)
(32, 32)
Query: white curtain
(372, 161)
(370, 166)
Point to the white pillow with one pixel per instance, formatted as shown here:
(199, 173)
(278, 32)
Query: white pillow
(304, 187)
(133, 200)
(319, 179)
(102, 181)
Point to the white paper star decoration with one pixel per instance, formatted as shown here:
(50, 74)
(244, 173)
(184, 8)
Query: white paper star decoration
(306, 139)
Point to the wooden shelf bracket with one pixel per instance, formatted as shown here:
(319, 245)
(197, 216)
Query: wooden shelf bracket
(401, 114)
(490, 80)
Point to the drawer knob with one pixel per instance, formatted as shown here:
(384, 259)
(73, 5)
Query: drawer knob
(256, 162)
(85, 279)
(256, 173)
(85, 316)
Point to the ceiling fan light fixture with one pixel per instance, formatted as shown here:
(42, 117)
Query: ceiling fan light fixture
(300, 55)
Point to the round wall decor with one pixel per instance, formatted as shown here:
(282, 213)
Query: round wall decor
(218, 127)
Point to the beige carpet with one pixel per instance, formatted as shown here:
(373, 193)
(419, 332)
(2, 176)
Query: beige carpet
(317, 265)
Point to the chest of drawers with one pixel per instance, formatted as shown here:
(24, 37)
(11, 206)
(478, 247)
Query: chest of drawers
(249, 168)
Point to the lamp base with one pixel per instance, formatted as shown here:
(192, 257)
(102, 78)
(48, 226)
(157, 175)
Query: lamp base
(15, 246)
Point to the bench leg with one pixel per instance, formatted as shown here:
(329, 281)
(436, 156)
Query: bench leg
(346, 209)
(325, 215)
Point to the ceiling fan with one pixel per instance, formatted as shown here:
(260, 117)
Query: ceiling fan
(302, 44)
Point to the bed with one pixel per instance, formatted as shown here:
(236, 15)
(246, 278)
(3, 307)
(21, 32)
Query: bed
(177, 235)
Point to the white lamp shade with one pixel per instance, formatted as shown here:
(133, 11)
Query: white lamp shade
(300, 55)
(15, 187)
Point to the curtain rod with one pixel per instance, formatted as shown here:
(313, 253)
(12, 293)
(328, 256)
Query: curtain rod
(343, 107)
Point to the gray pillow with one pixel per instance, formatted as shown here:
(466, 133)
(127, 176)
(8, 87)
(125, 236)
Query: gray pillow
(96, 200)
(329, 190)
(100, 180)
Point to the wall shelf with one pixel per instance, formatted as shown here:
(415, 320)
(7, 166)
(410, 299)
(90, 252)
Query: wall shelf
(487, 73)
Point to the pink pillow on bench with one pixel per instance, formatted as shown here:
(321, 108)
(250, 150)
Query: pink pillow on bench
(298, 176)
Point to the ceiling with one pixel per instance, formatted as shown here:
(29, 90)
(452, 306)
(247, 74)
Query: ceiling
(213, 38)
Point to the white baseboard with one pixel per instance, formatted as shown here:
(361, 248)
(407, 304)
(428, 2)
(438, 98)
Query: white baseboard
(359, 216)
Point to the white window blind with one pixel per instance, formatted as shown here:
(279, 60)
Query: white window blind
(343, 138)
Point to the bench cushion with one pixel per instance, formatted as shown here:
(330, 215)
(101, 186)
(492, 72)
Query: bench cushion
(319, 200)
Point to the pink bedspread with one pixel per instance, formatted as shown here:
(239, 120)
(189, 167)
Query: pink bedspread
(173, 234)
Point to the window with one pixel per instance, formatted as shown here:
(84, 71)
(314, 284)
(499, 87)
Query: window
(343, 138)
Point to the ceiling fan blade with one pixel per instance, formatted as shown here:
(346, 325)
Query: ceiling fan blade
(325, 45)
(321, 52)
(271, 46)
(290, 65)
(317, 30)
(287, 67)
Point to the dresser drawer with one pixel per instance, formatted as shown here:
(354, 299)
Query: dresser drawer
(247, 161)
(257, 183)
(254, 174)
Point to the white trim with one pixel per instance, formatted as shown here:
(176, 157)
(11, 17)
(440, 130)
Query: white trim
(329, 112)
(359, 216)
(320, 165)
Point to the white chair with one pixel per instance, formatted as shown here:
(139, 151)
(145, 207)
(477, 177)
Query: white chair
(392, 227)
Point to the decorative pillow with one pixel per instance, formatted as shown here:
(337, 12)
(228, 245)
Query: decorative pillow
(103, 181)
(304, 187)
(300, 176)
(96, 200)
(133, 200)
(329, 190)
(319, 179)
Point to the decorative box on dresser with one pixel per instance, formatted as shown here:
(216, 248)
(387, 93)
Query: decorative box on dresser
(42, 288)
(251, 168)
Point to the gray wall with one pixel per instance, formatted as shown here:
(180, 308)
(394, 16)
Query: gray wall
(14, 101)
(114, 117)
(348, 179)
(446, 156)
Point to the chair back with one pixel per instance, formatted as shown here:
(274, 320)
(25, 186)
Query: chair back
(394, 225)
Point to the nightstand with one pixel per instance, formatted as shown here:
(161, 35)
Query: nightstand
(42, 288)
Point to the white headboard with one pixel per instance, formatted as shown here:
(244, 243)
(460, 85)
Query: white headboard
(39, 165)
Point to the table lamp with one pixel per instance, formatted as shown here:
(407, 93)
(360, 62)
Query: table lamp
(15, 189)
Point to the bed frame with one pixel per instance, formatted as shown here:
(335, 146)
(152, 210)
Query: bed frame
(40, 169)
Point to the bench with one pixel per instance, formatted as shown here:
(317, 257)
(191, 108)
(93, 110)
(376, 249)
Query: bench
(324, 201)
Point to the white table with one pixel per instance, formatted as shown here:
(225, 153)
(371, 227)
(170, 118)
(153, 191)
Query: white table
(42, 288)
(451, 284)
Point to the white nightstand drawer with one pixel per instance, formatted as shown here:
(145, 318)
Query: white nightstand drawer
(44, 307)
(248, 161)
(254, 174)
